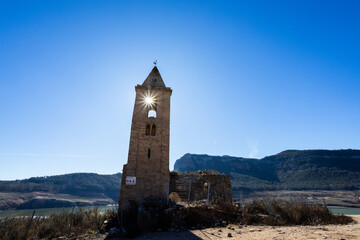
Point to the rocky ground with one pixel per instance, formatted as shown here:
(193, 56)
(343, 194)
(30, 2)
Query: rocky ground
(337, 232)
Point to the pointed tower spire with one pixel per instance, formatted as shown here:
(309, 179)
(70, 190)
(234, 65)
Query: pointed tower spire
(154, 79)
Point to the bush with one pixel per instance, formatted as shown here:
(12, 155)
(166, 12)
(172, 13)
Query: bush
(281, 212)
(258, 212)
(56, 225)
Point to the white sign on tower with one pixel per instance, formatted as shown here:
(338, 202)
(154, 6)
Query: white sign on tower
(130, 180)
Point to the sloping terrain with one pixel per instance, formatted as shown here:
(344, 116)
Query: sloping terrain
(79, 189)
(288, 170)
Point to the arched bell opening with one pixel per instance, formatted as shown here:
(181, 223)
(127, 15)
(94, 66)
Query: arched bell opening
(152, 114)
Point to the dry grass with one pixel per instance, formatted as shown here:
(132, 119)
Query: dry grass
(282, 212)
(155, 215)
(175, 197)
(258, 212)
(55, 225)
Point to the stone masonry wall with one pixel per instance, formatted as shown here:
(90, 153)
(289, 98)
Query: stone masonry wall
(148, 158)
(220, 185)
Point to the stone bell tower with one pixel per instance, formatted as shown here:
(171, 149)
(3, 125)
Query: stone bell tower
(146, 173)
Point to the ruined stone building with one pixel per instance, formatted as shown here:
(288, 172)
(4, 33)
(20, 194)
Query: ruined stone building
(200, 185)
(146, 174)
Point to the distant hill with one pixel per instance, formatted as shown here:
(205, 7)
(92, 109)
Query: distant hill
(288, 170)
(60, 191)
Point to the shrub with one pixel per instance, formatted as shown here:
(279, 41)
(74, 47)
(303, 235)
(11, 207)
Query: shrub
(281, 212)
(56, 225)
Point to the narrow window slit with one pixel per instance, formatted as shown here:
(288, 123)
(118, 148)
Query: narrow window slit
(147, 131)
(153, 130)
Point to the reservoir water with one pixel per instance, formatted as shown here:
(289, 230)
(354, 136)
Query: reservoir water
(346, 211)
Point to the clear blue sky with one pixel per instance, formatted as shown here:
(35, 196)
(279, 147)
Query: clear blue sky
(249, 79)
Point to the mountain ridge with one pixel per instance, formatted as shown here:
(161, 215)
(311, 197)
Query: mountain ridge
(80, 189)
(287, 170)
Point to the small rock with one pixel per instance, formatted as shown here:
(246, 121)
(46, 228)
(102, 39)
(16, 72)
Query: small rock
(114, 230)
(229, 235)
(238, 232)
(220, 230)
(233, 229)
(169, 210)
(251, 230)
